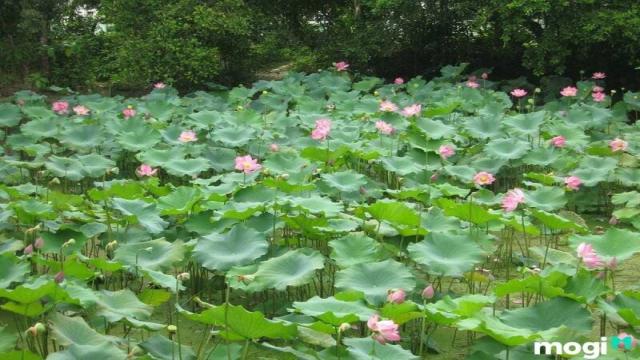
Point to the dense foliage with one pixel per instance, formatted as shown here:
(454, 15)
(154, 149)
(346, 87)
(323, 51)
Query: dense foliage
(318, 217)
(191, 43)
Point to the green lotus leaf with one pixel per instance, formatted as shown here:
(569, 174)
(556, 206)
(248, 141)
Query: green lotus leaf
(137, 136)
(628, 177)
(446, 254)
(546, 198)
(401, 165)
(161, 110)
(71, 169)
(369, 349)
(221, 159)
(346, 181)
(435, 129)
(180, 201)
(557, 222)
(466, 211)
(436, 221)
(40, 129)
(541, 156)
(584, 287)
(117, 305)
(70, 331)
(160, 157)
(243, 323)
(11, 271)
(375, 279)
(395, 212)
(316, 204)
(550, 315)
(163, 280)
(505, 334)
(7, 339)
(233, 136)
(508, 149)
(152, 255)
(527, 124)
(293, 268)
(240, 246)
(484, 127)
(354, 249)
(94, 165)
(82, 136)
(32, 209)
(30, 292)
(186, 167)
(618, 243)
(333, 311)
(447, 310)
(9, 115)
(548, 286)
(625, 307)
(594, 169)
(54, 242)
(161, 348)
(146, 214)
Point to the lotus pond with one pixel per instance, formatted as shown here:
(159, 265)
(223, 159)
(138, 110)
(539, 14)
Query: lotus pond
(321, 216)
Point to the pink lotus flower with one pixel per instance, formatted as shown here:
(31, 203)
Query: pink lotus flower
(558, 141)
(60, 107)
(612, 264)
(274, 147)
(146, 170)
(388, 106)
(484, 178)
(519, 93)
(446, 151)
(472, 84)
(396, 296)
(341, 66)
(589, 256)
(412, 110)
(621, 344)
(398, 81)
(569, 91)
(322, 129)
(618, 144)
(247, 164)
(598, 96)
(384, 127)
(383, 331)
(81, 110)
(512, 199)
(28, 250)
(613, 220)
(598, 75)
(59, 277)
(597, 89)
(129, 112)
(428, 292)
(188, 136)
(434, 177)
(159, 85)
(484, 76)
(39, 243)
(573, 182)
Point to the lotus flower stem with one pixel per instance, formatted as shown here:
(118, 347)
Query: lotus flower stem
(177, 316)
(423, 326)
(226, 319)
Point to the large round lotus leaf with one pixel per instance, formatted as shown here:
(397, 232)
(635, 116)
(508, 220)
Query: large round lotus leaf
(354, 249)
(628, 177)
(463, 172)
(65, 167)
(233, 136)
(160, 157)
(293, 268)
(220, 158)
(551, 314)
(94, 165)
(557, 222)
(179, 201)
(38, 113)
(369, 349)
(492, 326)
(508, 149)
(240, 246)
(316, 204)
(545, 198)
(75, 331)
(40, 128)
(446, 254)
(484, 127)
(435, 129)
(189, 167)
(346, 181)
(541, 156)
(7, 339)
(12, 270)
(82, 136)
(395, 212)
(334, 311)
(145, 213)
(436, 221)
(401, 165)
(573, 134)
(375, 279)
(154, 255)
(138, 136)
(585, 287)
(594, 169)
(285, 162)
(526, 123)
(9, 115)
(626, 306)
(161, 110)
(117, 305)
(161, 348)
(466, 211)
(618, 243)
(243, 323)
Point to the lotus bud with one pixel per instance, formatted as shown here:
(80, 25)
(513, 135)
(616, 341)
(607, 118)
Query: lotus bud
(184, 276)
(613, 220)
(28, 250)
(613, 92)
(39, 243)
(530, 101)
(111, 245)
(264, 92)
(274, 147)
(37, 329)
(239, 108)
(172, 328)
(428, 292)
(376, 93)
(344, 327)
(54, 181)
(135, 352)
(69, 242)
(396, 296)
(362, 190)
(537, 90)
(59, 277)
(284, 176)
(114, 170)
